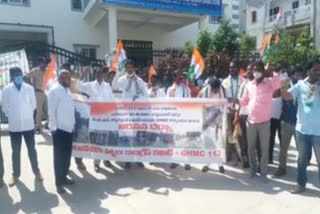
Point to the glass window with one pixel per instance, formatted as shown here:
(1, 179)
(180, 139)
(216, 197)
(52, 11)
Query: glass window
(16, 2)
(253, 16)
(89, 51)
(235, 16)
(214, 19)
(308, 2)
(76, 5)
(295, 4)
(235, 7)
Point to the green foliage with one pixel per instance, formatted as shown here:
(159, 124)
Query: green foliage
(304, 50)
(247, 44)
(204, 42)
(286, 54)
(226, 39)
(188, 47)
(283, 53)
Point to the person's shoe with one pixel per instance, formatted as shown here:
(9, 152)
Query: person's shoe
(38, 131)
(68, 181)
(13, 181)
(1, 183)
(221, 169)
(107, 164)
(264, 179)
(174, 165)
(140, 164)
(127, 165)
(61, 190)
(187, 167)
(279, 173)
(205, 169)
(81, 166)
(39, 177)
(245, 165)
(97, 168)
(259, 170)
(298, 189)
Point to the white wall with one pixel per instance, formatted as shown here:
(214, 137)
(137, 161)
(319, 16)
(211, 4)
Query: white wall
(68, 25)
(70, 28)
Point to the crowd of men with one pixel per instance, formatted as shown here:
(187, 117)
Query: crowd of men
(264, 102)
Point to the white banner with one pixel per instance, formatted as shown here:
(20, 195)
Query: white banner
(155, 130)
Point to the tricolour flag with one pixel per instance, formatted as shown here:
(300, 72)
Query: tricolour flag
(197, 65)
(151, 72)
(119, 59)
(50, 76)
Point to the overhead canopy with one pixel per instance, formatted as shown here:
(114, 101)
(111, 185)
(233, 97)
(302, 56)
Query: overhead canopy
(166, 14)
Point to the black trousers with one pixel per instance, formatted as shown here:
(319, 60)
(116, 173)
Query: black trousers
(243, 141)
(62, 149)
(16, 140)
(275, 126)
(1, 165)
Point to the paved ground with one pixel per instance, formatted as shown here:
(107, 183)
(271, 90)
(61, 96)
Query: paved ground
(155, 189)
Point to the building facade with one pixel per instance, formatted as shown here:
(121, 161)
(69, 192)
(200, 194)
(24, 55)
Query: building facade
(295, 15)
(92, 27)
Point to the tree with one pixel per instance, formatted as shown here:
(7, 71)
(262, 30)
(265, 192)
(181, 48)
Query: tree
(304, 49)
(247, 44)
(188, 47)
(225, 39)
(282, 54)
(204, 42)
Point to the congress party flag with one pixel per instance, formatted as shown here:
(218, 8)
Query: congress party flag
(197, 65)
(151, 72)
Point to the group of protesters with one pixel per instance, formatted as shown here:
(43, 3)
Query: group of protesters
(264, 102)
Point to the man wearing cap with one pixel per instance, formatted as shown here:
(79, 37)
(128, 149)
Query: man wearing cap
(35, 78)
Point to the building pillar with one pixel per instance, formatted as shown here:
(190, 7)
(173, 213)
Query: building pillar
(112, 29)
(203, 23)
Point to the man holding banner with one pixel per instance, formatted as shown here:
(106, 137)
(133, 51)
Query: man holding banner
(181, 90)
(36, 78)
(133, 87)
(100, 91)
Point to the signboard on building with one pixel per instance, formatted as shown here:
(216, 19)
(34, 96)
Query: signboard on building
(205, 7)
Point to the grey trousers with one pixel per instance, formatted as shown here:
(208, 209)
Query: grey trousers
(287, 132)
(261, 130)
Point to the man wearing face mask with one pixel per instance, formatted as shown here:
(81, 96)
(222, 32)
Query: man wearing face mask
(307, 94)
(288, 123)
(258, 98)
(19, 104)
(35, 78)
(61, 124)
(132, 87)
(213, 90)
(98, 91)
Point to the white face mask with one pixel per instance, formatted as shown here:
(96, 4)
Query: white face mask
(257, 75)
(72, 67)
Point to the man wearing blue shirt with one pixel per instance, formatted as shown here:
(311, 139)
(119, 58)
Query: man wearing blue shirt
(307, 94)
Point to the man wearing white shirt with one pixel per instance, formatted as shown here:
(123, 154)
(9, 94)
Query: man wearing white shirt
(97, 90)
(61, 124)
(19, 104)
(155, 91)
(133, 87)
(181, 90)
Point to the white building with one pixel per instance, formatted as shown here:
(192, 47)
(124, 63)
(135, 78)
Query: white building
(92, 27)
(296, 14)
